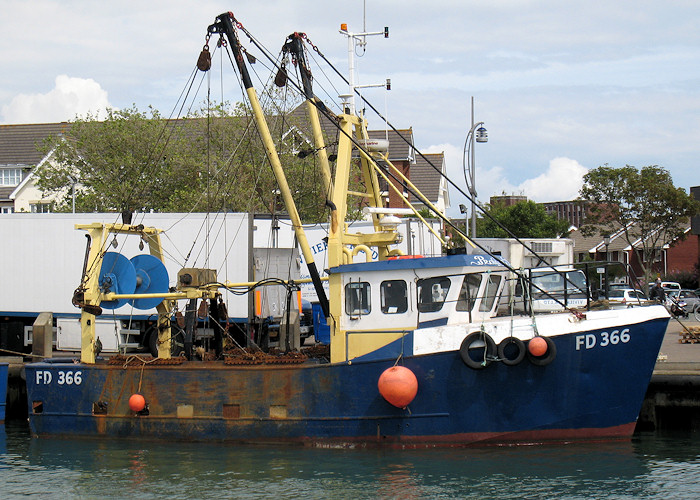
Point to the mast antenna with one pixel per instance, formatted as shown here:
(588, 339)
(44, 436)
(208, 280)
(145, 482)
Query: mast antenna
(356, 40)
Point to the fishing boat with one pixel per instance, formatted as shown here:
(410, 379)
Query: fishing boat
(421, 351)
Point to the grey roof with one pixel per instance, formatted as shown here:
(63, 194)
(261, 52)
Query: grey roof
(19, 143)
(582, 244)
(588, 243)
(298, 116)
(19, 146)
(425, 178)
(400, 141)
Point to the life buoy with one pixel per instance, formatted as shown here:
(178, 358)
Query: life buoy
(547, 357)
(509, 346)
(477, 350)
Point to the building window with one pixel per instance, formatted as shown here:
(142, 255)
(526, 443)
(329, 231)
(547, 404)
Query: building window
(40, 208)
(8, 210)
(10, 176)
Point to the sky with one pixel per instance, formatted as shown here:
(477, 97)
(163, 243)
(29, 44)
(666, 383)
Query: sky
(562, 87)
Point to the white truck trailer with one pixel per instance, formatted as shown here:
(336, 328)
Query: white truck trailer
(43, 257)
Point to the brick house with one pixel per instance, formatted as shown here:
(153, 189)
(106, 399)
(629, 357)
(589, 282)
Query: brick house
(682, 254)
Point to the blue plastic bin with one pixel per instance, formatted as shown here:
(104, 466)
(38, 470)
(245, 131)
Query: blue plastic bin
(322, 332)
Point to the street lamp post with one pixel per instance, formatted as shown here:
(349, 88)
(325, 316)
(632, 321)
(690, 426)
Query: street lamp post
(606, 242)
(476, 133)
(73, 182)
(463, 210)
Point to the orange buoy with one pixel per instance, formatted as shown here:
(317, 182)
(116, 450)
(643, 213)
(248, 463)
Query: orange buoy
(137, 402)
(537, 346)
(398, 385)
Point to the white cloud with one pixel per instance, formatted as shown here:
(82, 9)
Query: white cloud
(69, 97)
(598, 82)
(489, 181)
(493, 182)
(561, 182)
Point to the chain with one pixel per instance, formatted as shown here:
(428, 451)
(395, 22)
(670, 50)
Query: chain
(308, 40)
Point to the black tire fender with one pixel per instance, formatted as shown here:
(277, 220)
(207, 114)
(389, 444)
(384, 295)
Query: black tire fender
(152, 340)
(548, 357)
(520, 346)
(485, 341)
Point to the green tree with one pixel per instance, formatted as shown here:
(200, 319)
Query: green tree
(525, 219)
(211, 161)
(643, 205)
(124, 162)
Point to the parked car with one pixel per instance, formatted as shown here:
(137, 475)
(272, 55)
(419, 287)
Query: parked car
(667, 285)
(690, 297)
(618, 286)
(627, 296)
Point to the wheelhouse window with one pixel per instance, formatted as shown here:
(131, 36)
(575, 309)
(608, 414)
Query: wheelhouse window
(552, 284)
(357, 298)
(432, 293)
(494, 281)
(394, 297)
(469, 292)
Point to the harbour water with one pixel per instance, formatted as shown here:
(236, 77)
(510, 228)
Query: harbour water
(652, 465)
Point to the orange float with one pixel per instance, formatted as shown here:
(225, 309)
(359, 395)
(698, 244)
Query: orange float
(537, 346)
(137, 402)
(398, 385)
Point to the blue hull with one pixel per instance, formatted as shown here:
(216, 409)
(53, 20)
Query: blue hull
(3, 390)
(585, 393)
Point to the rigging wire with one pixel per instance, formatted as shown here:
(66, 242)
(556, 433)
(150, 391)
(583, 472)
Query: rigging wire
(438, 170)
(326, 113)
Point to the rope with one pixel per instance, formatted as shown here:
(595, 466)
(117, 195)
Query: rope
(526, 290)
(144, 362)
(400, 356)
(22, 354)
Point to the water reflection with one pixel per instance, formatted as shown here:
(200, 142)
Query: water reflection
(646, 467)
